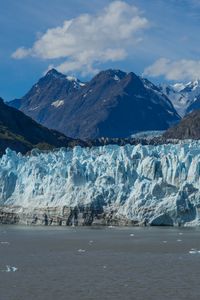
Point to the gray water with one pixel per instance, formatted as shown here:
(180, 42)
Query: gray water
(107, 263)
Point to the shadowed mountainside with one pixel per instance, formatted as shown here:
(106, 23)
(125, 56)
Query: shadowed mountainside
(20, 133)
(113, 104)
(188, 128)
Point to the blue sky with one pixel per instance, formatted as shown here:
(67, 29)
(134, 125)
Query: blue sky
(162, 42)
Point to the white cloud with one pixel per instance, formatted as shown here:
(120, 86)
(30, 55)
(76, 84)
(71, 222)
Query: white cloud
(174, 70)
(21, 53)
(88, 39)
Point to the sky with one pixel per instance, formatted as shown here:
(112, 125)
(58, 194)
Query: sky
(157, 39)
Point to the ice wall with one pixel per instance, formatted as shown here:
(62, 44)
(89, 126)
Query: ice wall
(158, 185)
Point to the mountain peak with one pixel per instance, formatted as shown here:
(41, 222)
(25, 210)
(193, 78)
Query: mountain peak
(187, 87)
(54, 73)
(192, 86)
(184, 96)
(114, 74)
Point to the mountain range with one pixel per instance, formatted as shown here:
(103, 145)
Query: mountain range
(112, 104)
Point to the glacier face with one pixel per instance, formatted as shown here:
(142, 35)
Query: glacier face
(158, 185)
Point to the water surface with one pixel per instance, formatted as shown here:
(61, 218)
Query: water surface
(100, 264)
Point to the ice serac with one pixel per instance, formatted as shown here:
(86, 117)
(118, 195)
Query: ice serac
(110, 185)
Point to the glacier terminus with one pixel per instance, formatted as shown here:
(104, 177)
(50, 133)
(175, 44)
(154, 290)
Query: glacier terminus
(107, 185)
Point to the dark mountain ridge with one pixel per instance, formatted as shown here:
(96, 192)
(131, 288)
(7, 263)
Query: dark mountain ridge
(188, 128)
(112, 104)
(21, 133)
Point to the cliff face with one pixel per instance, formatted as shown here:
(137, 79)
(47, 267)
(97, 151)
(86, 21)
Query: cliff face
(110, 185)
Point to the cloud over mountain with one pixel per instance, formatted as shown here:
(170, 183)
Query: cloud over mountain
(84, 42)
(182, 70)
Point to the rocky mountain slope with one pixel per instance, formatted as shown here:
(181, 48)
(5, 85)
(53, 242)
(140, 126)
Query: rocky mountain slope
(19, 132)
(108, 185)
(188, 128)
(47, 95)
(112, 104)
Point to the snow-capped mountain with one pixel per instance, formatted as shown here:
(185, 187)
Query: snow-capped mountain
(108, 185)
(112, 104)
(192, 91)
(185, 97)
(178, 99)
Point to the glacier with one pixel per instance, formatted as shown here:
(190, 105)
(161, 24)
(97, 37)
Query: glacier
(108, 185)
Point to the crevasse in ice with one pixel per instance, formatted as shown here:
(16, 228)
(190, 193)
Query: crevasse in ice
(155, 184)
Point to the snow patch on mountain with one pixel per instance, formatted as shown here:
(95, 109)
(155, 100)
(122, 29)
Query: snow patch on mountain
(177, 87)
(116, 78)
(34, 108)
(58, 103)
(71, 78)
(77, 82)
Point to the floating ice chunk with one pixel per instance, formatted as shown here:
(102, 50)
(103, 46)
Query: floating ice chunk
(4, 243)
(10, 269)
(132, 234)
(81, 250)
(104, 267)
(179, 240)
(193, 251)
